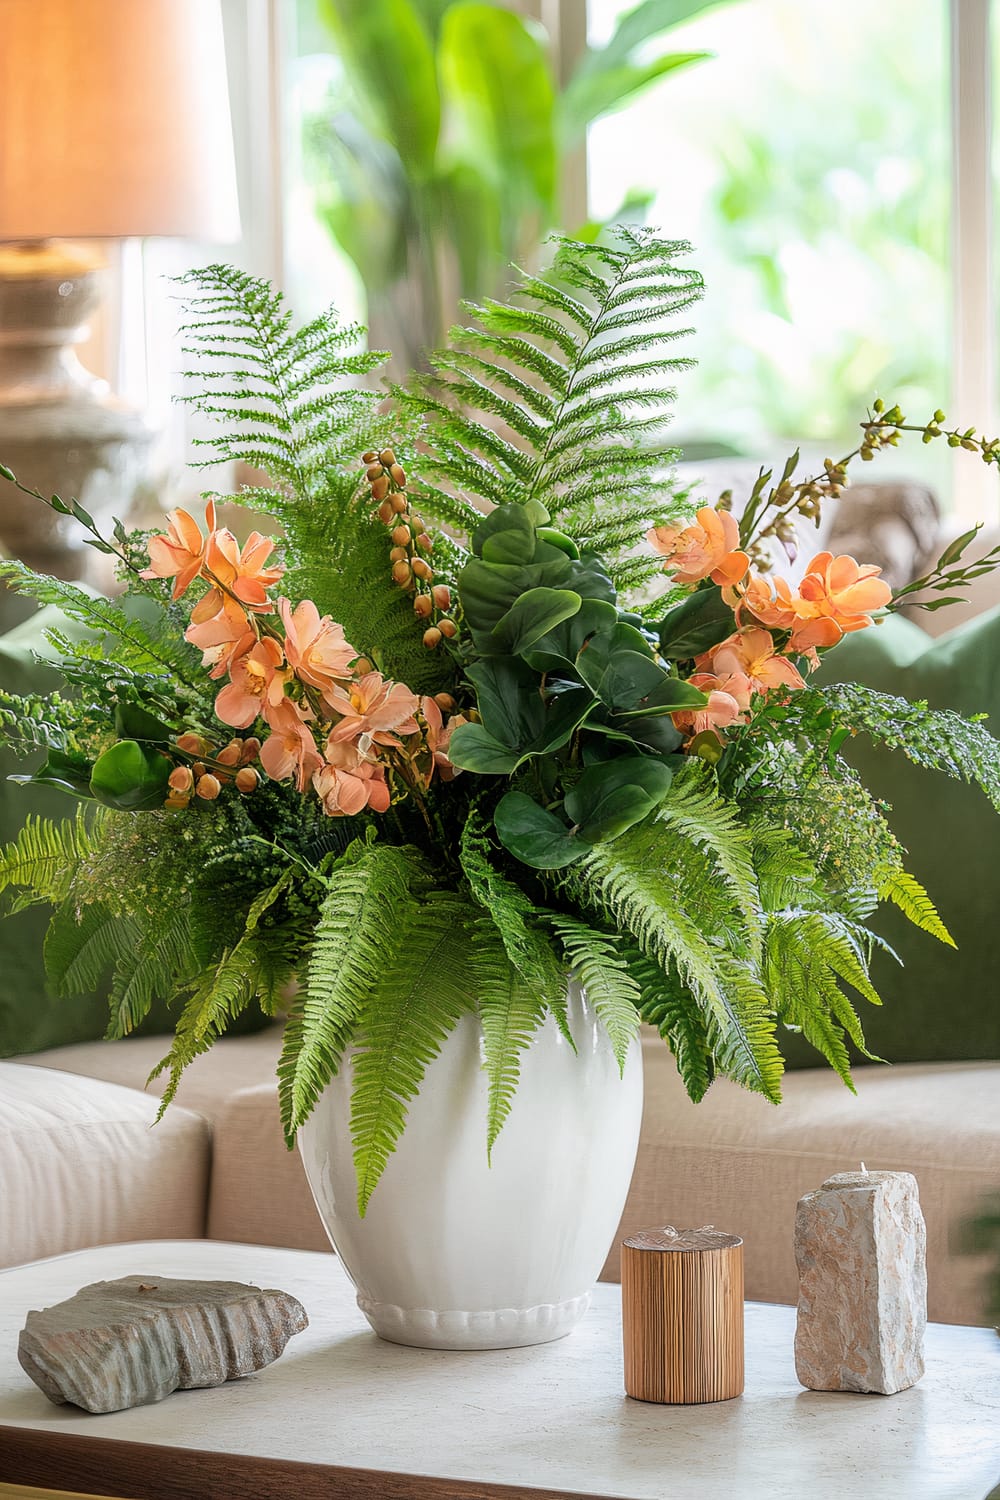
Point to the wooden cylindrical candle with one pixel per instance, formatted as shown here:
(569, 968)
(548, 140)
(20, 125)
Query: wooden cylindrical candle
(682, 1315)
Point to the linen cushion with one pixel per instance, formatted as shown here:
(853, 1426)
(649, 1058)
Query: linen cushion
(80, 1166)
(259, 1192)
(942, 1004)
(737, 1162)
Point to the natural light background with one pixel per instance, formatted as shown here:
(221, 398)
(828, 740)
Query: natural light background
(808, 162)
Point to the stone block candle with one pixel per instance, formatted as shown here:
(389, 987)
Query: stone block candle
(860, 1247)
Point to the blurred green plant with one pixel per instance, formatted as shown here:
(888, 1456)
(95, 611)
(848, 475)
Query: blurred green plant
(440, 155)
(981, 1236)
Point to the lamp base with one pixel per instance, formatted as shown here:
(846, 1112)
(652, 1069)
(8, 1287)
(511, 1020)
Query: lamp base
(61, 429)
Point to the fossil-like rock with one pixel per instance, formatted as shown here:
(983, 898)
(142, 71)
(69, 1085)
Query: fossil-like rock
(129, 1342)
(860, 1247)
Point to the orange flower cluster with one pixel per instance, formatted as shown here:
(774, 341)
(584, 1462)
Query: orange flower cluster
(837, 595)
(410, 547)
(334, 722)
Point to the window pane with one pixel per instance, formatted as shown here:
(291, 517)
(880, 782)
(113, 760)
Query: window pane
(808, 162)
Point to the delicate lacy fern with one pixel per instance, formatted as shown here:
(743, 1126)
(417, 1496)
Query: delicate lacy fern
(416, 999)
(906, 892)
(82, 947)
(509, 1014)
(559, 396)
(357, 935)
(610, 987)
(158, 964)
(42, 860)
(935, 738)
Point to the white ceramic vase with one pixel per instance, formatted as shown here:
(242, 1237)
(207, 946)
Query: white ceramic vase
(455, 1254)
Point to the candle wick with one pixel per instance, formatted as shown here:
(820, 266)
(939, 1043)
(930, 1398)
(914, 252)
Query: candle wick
(865, 1169)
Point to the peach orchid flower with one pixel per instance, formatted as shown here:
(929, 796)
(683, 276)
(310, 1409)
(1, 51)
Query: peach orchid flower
(290, 748)
(256, 686)
(181, 552)
(724, 707)
(315, 646)
(347, 782)
(372, 706)
(706, 548)
(751, 654)
(844, 590)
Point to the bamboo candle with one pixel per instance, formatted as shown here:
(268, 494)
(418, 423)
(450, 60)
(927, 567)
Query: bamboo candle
(682, 1315)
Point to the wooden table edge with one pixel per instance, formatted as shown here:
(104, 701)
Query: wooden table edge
(149, 1471)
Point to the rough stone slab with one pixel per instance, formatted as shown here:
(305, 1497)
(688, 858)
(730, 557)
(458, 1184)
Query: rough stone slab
(860, 1247)
(130, 1342)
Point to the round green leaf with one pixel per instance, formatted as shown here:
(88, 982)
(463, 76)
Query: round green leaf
(534, 835)
(131, 777)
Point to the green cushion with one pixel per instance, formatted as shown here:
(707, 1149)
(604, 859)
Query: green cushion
(32, 1018)
(943, 1005)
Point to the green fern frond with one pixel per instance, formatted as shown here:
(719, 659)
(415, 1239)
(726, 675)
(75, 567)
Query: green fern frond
(905, 891)
(44, 857)
(935, 738)
(416, 999)
(155, 966)
(357, 935)
(509, 1014)
(609, 986)
(83, 946)
(695, 810)
(545, 399)
(669, 1006)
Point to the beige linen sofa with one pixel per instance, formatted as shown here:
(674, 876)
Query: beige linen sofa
(81, 1163)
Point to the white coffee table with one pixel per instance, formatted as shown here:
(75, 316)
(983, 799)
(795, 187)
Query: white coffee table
(342, 1414)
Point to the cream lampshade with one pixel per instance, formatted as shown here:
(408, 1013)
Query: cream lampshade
(114, 123)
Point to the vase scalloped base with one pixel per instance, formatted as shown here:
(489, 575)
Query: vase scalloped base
(499, 1328)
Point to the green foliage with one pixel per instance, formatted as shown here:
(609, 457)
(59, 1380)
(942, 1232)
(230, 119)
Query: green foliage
(509, 1013)
(356, 935)
(574, 369)
(609, 986)
(906, 892)
(416, 997)
(665, 1003)
(43, 857)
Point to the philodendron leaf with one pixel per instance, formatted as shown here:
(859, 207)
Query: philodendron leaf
(534, 835)
(131, 777)
(506, 536)
(532, 616)
(670, 695)
(66, 769)
(135, 723)
(471, 748)
(559, 648)
(695, 625)
(510, 702)
(613, 795)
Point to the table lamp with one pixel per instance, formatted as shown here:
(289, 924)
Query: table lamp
(114, 124)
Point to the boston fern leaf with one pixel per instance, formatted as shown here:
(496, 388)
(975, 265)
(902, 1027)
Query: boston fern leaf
(610, 987)
(905, 891)
(416, 999)
(43, 859)
(509, 1013)
(559, 395)
(154, 967)
(82, 947)
(663, 888)
(669, 1006)
(357, 936)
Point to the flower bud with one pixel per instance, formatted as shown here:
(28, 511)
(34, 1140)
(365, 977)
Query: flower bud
(362, 667)
(371, 457)
(441, 594)
(417, 522)
(398, 554)
(230, 756)
(401, 536)
(193, 744)
(385, 512)
(448, 628)
(422, 569)
(208, 787)
(375, 471)
(401, 573)
(445, 702)
(181, 779)
(246, 780)
(423, 605)
(198, 769)
(432, 637)
(398, 474)
(380, 488)
(387, 457)
(398, 503)
(251, 749)
(424, 542)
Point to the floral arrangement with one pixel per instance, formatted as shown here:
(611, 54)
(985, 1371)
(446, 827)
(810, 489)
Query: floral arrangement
(462, 728)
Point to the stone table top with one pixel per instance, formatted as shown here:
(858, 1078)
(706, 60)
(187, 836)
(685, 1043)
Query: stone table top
(551, 1420)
